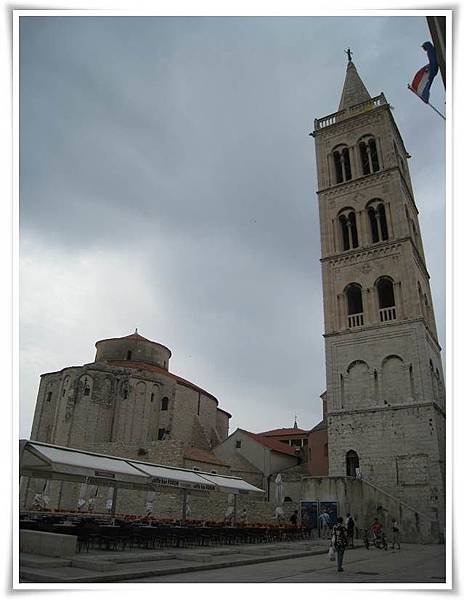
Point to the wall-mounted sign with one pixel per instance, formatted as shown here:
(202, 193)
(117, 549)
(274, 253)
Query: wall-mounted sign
(180, 484)
(105, 474)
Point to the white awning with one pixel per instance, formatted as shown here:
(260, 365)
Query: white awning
(45, 461)
(68, 464)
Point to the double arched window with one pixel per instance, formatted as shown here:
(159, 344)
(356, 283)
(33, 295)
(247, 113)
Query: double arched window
(386, 298)
(348, 229)
(342, 164)
(368, 154)
(353, 293)
(377, 221)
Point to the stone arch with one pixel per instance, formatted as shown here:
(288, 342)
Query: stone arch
(386, 298)
(395, 380)
(354, 304)
(357, 385)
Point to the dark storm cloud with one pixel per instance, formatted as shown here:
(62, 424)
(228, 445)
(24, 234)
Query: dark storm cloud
(168, 182)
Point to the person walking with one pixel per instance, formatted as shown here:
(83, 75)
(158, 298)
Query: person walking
(339, 542)
(395, 534)
(349, 523)
(324, 520)
(294, 519)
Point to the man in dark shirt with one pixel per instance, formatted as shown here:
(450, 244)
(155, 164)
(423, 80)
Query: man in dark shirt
(339, 541)
(350, 529)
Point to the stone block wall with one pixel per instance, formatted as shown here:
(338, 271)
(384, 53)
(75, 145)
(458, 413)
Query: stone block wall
(366, 501)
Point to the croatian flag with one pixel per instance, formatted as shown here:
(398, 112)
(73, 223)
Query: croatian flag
(420, 84)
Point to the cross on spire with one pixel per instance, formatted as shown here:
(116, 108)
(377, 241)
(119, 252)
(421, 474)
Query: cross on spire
(348, 52)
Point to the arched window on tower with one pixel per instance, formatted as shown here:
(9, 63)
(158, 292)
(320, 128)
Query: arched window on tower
(386, 296)
(348, 229)
(352, 463)
(355, 305)
(377, 221)
(369, 155)
(342, 163)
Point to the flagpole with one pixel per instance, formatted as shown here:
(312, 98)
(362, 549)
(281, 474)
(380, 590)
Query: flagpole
(431, 105)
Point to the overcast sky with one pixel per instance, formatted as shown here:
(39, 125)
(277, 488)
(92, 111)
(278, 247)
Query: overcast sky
(167, 182)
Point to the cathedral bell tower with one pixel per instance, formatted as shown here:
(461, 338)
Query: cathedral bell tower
(385, 390)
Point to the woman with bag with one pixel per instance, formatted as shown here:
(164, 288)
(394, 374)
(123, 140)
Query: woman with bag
(339, 542)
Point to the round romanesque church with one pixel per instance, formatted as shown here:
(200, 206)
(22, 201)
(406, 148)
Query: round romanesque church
(126, 401)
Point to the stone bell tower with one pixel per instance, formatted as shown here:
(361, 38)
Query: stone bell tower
(385, 387)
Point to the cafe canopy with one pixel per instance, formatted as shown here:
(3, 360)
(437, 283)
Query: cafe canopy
(46, 461)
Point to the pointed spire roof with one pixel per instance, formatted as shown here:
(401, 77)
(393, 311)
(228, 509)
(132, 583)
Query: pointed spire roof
(354, 90)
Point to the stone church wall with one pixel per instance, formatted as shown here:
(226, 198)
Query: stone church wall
(397, 450)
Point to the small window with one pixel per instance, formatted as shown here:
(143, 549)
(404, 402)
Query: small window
(164, 403)
(342, 165)
(238, 443)
(152, 397)
(49, 396)
(161, 434)
(369, 156)
(326, 449)
(385, 292)
(125, 393)
(348, 229)
(129, 354)
(354, 299)
(378, 221)
(86, 385)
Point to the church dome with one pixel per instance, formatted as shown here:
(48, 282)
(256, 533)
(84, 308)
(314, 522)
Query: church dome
(133, 348)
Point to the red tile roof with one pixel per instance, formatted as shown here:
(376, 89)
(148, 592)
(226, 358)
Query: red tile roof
(274, 445)
(285, 431)
(135, 336)
(135, 364)
(204, 456)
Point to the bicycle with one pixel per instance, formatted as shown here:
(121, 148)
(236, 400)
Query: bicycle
(379, 541)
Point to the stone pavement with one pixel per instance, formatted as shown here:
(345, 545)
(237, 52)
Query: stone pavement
(412, 564)
(107, 566)
(283, 562)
